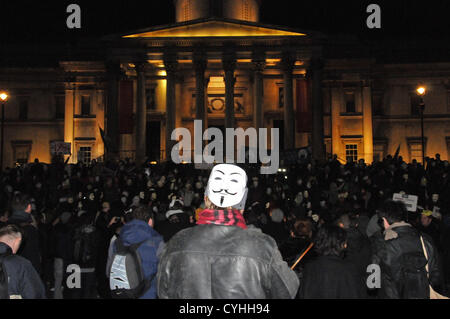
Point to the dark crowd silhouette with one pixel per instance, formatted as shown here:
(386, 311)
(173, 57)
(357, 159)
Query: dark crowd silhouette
(56, 215)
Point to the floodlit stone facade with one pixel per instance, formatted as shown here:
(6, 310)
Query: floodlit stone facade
(218, 63)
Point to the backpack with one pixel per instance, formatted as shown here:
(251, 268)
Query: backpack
(84, 251)
(126, 278)
(4, 294)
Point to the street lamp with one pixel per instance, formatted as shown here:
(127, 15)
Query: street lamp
(421, 91)
(3, 98)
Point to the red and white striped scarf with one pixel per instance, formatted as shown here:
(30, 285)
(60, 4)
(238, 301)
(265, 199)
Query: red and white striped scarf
(230, 217)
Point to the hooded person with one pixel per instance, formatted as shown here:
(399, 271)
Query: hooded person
(275, 227)
(255, 193)
(139, 231)
(176, 220)
(221, 258)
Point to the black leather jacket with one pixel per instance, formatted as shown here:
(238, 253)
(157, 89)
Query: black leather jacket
(389, 254)
(224, 262)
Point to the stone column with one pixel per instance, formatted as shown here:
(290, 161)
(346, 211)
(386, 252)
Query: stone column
(259, 64)
(289, 118)
(141, 115)
(112, 110)
(318, 146)
(367, 124)
(200, 64)
(229, 66)
(171, 64)
(336, 107)
(68, 118)
(205, 123)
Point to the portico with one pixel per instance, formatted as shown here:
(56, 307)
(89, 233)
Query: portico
(228, 73)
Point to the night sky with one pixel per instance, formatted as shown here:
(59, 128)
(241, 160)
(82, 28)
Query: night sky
(36, 22)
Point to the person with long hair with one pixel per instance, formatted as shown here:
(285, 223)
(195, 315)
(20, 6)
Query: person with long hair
(329, 276)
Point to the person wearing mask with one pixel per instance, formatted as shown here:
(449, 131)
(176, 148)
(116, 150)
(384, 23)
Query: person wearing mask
(221, 258)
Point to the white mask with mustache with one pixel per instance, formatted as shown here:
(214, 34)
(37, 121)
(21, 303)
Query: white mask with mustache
(227, 186)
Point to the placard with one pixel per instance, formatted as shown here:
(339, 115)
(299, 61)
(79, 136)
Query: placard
(410, 201)
(60, 148)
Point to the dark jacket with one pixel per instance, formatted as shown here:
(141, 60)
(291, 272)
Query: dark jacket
(224, 262)
(30, 248)
(330, 277)
(358, 251)
(137, 231)
(292, 248)
(23, 280)
(168, 228)
(396, 256)
(62, 242)
(277, 231)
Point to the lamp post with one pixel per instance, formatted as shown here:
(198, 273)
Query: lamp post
(421, 91)
(3, 98)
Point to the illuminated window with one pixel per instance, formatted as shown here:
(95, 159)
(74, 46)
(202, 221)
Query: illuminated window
(21, 151)
(415, 148)
(84, 155)
(351, 152)
(416, 152)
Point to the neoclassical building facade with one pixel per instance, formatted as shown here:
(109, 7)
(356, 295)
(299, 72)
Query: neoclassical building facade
(218, 63)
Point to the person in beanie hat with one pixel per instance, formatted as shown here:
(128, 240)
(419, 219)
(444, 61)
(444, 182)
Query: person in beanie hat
(221, 258)
(275, 228)
(176, 220)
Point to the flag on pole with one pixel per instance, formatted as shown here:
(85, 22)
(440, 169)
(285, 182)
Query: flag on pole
(106, 140)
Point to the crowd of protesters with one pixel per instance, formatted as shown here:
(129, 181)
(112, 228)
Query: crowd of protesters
(74, 213)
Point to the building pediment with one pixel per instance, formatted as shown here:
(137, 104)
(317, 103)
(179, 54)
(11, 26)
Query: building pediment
(214, 28)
